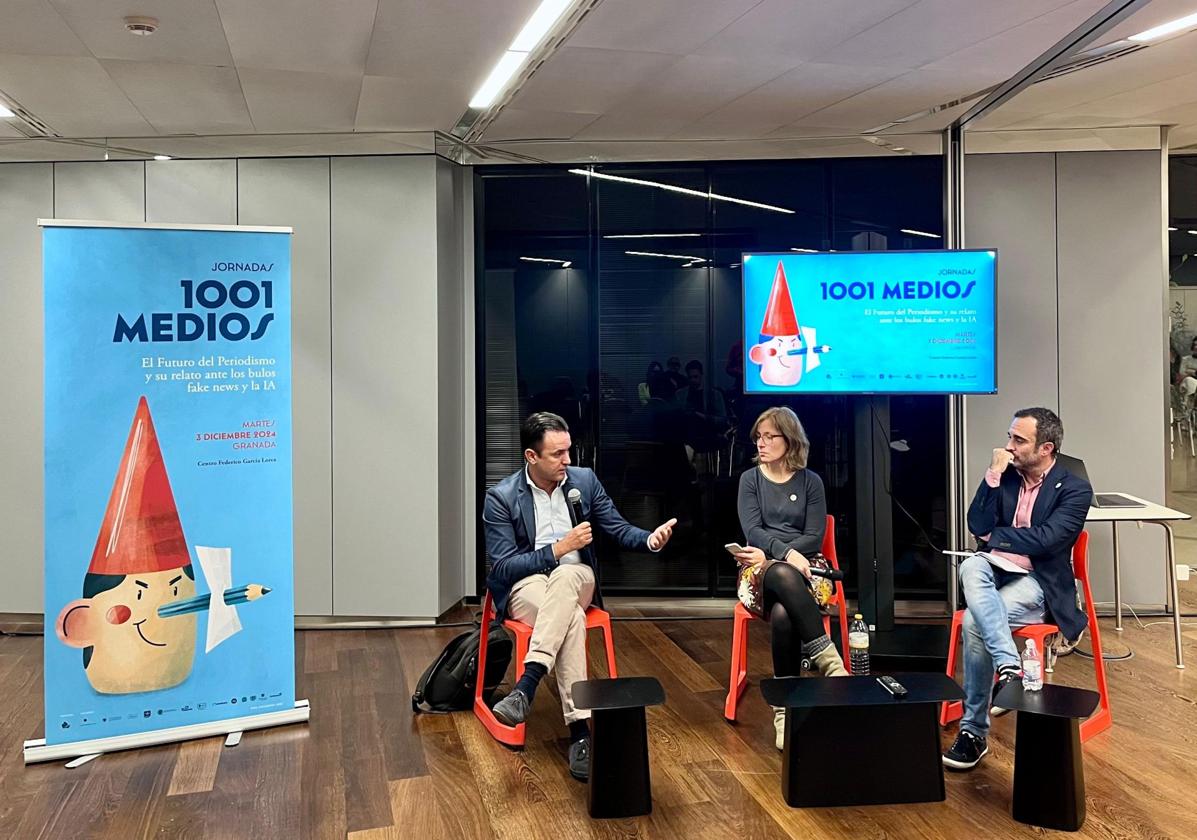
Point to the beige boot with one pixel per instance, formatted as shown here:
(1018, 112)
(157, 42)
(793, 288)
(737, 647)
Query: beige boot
(828, 663)
(779, 726)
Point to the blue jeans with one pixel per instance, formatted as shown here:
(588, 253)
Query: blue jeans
(997, 600)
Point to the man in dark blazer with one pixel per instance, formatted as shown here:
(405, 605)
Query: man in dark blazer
(1028, 512)
(543, 571)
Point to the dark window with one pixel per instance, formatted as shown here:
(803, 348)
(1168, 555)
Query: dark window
(654, 278)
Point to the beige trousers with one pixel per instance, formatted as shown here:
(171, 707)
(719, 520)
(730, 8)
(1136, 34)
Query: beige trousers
(554, 605)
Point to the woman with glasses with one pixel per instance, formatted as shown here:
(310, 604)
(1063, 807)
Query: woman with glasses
(783, 513)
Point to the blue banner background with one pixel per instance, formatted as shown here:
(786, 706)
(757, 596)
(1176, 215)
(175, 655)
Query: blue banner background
(92, 387)
(869, 354)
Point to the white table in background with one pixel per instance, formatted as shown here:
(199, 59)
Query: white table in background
(1159, 515)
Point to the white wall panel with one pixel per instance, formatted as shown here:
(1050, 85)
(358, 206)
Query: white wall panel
(191, 191)
(1113, 350)
(1083, 327)
(385, 423)
(107, 191)
(26, 194)
(295, 192)
(1010, 205)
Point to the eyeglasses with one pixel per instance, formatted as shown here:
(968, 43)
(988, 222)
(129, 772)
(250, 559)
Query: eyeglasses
(765, 438)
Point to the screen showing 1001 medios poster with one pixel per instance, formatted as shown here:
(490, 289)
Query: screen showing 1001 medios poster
(880, 322)
(168, 567)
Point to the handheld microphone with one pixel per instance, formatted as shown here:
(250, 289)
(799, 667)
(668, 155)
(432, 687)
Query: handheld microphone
(575, 512)
(830, 574)
(575, 505)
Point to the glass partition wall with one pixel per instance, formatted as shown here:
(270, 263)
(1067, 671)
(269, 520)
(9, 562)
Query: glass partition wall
(614, 301)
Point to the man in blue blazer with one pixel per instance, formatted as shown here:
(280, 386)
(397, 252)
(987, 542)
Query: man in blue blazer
(1028, 512)
(543, 571)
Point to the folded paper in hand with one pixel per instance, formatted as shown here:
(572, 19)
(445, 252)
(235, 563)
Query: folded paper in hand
(994, 560)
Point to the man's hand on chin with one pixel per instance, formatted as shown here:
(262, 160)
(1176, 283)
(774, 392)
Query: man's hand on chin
(1001, 459)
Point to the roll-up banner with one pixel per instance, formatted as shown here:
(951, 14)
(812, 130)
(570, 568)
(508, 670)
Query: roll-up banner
(168, 527)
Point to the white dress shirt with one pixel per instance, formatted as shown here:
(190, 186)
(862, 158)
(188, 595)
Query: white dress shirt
(552, 518)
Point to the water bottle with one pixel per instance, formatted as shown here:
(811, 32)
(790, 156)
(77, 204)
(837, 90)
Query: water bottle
(858, 645)
(1032, 671)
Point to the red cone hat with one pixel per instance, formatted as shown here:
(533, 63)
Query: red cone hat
(779, 313)
(141, 532)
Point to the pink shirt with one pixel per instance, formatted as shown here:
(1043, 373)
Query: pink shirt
(1027, 494)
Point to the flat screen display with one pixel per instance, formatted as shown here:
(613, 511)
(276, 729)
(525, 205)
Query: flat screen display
(875, 322)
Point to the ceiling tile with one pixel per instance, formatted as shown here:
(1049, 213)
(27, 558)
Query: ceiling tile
(283, 101)
(74, 96)
(630, 127)
(932, 29)
(389, 104)
(586, 80)
(518, 124)
(898, 98)
(33, 27)
(789, 97)
(697, 85)
(678, 27)
(799, 30)
(460, 39)
(183, 98)
(188, 32)
(311, 36)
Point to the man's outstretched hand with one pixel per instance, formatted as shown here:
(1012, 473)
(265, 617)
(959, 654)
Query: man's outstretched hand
(658, 538)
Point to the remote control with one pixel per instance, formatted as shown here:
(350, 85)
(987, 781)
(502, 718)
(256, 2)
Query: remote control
(892, 686)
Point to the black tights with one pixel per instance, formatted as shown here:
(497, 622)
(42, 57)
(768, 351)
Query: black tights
(794, 617)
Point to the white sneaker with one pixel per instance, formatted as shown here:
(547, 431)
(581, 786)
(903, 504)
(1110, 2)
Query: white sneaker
(1063, 647)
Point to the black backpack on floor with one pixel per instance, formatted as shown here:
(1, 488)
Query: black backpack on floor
(448, 684)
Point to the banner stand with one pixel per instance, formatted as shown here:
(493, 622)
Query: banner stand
(37, 750)
(181, 335)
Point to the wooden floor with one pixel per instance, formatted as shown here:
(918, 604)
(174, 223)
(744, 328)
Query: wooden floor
(366, 768)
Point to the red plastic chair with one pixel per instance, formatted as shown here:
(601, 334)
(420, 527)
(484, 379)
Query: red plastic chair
(739, 654)
(1102, 719)
(513, 736)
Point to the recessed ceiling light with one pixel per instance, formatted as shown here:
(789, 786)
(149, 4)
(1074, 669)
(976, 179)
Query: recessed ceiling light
(538, 25)
(1163, 30)
(1194, 232)
(498, 79)
(161, 157)
(5, 113)
(529, 37)
(141, 25)
(921, 233)
(683, 190)
(1171, 228)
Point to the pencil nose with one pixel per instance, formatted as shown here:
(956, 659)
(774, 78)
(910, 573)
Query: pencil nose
(118, 614)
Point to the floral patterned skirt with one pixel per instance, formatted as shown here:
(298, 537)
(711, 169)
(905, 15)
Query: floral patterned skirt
(751, 585)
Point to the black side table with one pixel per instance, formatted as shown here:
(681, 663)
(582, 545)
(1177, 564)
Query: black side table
(856, 744)
(619, 777)
(1049, 777)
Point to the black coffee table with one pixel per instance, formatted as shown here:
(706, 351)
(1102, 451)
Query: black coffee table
(857, 743)
(619, 777)
(1049, 777)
